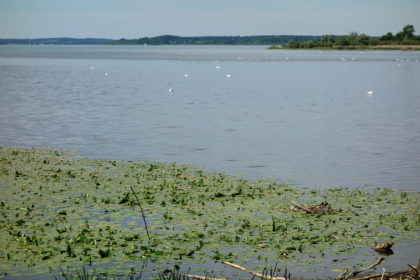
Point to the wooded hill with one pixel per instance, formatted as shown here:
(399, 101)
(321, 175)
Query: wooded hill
(169, 40)
(216, 40)
(55, 41)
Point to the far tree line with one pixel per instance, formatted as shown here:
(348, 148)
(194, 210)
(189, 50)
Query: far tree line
(405, 37)
(354, 40)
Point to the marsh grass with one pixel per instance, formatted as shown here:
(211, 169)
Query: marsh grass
(272, 272)
(268, 272)
(173, 274)
(92, 274)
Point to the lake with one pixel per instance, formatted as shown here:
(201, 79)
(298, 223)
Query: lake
(300, 117)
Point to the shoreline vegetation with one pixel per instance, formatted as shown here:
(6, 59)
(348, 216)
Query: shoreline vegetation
(403, 40)
(352, 48)
(59, 210)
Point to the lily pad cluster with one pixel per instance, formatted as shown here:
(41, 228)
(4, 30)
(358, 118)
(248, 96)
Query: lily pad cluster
(56, 208)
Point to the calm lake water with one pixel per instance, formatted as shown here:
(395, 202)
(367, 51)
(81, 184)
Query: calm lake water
(302, 117)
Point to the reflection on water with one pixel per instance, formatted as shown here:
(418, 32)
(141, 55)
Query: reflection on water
(300, 115)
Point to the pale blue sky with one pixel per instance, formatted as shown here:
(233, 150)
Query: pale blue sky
(140, 18)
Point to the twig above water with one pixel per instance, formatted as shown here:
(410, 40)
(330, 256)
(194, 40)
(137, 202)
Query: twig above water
(142, 212)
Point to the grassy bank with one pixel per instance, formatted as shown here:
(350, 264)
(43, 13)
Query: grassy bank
(60, 210)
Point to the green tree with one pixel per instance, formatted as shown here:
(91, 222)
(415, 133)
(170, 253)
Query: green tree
(343, 41)
(293, 44)
(406, 34)
(309, 44)
(408, 31)
(387, 37)
(327, 39)
(374, 41)
(353, 36)
(363, 39)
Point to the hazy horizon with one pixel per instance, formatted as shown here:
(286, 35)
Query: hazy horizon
(132, 19)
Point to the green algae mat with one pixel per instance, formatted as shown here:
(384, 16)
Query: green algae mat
(57, 209)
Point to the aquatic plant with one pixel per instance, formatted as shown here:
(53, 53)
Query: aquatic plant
(57, 208)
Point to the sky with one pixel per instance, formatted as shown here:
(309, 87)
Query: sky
(131, 19)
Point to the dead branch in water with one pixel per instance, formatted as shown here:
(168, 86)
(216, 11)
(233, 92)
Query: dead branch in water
(322, 208)
(413, 273)
(347, 275)
(199, 277)
(301, 207)
(262, 276)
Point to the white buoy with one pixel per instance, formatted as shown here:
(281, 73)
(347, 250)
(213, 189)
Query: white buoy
(370, 92)
(171, 90)
(228, 75)
(106, 74)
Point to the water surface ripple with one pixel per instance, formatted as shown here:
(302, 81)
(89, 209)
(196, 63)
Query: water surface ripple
(303, 117)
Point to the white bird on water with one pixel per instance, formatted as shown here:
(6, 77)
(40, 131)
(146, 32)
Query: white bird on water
(171, 90)
(228, 75)
(217, 67)
(186, 75)
(370, 92)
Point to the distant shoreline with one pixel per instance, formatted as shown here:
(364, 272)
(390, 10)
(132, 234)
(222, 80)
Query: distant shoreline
(272, 47)
(264, 40)
(403, 40)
